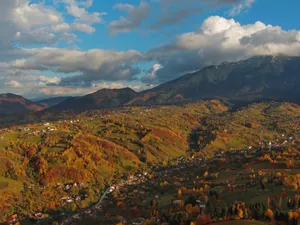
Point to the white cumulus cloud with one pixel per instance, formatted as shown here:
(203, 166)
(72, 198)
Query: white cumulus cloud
(14, 84)
(93, 65)
(218, 40)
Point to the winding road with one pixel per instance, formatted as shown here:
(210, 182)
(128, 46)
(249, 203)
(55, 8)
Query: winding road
(69, 219)
(97, 206)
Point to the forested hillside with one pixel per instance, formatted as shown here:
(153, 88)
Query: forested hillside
(89, 148)
(261, 124)
(40, 162)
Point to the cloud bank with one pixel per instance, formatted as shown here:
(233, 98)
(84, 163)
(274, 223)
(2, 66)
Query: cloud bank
(47, 68)
(218, 40)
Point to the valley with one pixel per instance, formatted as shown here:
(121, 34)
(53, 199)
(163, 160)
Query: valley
(66, 165)
(149, 112)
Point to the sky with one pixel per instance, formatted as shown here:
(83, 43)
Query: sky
(54, 48)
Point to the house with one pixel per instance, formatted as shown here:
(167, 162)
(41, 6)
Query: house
(12, 219)
(31, 186)
(67, 187)
(78, 198)
(261, 173)
(65, 198)
(88, 211)
(111, 189)
(77, 217)
(70, 200)
(201, 204)
(37, 216)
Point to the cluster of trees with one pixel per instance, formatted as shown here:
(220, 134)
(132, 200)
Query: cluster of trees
(246, 127)
(92, 151)
(190, 213)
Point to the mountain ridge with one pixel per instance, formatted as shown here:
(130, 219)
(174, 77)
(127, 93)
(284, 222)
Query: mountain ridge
(254, 79)
(104, 98)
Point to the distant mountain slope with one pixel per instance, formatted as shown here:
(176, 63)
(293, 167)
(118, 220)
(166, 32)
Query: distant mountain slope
(52, 101)
(262, 77)
(11, 103)
(246, 81)
(104, 98)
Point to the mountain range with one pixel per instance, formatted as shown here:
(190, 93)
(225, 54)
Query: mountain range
(246, 81)
(264, 77)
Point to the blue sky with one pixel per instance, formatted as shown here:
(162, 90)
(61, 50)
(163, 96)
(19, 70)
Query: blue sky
(268, 11)
(73, 47)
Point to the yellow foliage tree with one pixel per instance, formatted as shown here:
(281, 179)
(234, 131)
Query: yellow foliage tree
(165, 164)
(296, 215)
(189, 209)
(269, 214)
(121, 223)
(290, 215)
(179, 193)
(240, 213)
(290, 163)
(201, 190)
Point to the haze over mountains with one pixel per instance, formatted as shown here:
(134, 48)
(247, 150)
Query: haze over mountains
(254, 79)
(51, 101)
(12, 103)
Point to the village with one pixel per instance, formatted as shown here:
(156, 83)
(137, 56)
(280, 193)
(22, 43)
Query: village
(167, 178)
(134, 166)
(255, 192)
(239, 185)
(200, 190)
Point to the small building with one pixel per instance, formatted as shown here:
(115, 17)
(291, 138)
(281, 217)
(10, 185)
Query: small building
(12, 219)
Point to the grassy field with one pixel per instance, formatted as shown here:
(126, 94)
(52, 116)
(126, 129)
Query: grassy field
(10, 185)
(7, 138)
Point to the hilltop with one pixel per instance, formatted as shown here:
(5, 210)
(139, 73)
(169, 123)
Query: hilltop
(104, 98)
(11, 103)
